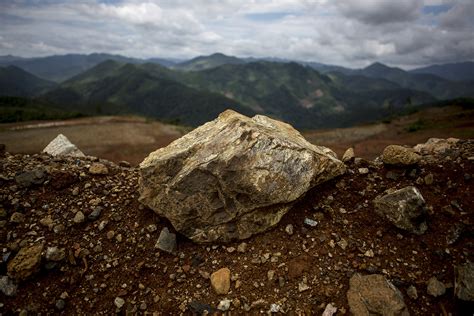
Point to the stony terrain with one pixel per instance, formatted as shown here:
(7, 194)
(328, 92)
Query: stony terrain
(75, 240)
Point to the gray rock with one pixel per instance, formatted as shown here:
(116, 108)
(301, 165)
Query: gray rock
(61, 146)
(98, 168)
(119, 302)
(399, 155)
(405, 208)
(435, 288)
(60, 304)
(79, 217)
(166, 241)
(464, 282)
(374, 295)
(7, 286)
(412, 292)
(17, 218)
(348, 155)
(289, 229)
(310, 222)
(29, 178)
(55, 254)
(233, 177)
(435, 146)
(224, 305)
(94, 215)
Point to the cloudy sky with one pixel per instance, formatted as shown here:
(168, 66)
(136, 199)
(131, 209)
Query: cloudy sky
(353, 33)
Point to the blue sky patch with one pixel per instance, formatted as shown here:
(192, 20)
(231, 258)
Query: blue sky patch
(268, 17)
(436, 9)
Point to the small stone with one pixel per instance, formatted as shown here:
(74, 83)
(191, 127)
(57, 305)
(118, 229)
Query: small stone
(369, 253)
(464, 281)
(98, 169)
(429, 178)
(61, 146)
(79, 218)
(281, 281)
(224, 305)
(329, 310)
(47, 221)
(435, 288)
(412, 292)
(230, 249)
(58, 228)
(310, 222)
(60, 304)
(405, 208)
(110, 234)
(342, 243)
(289, 229)
(151, 228)
(375, 295)
(143, 306)
(26, 262)
(363, 170)
(275, 308)
(119, 302)
(75, 191)
(166, 241)
(303, 287)
(17, 218)
(242, 247)
(220, 281)
(7, 286)
(398, 155)
(119, 238)
(55, 254)
(270, 275)
(95, 214)
(348, 155)
(102, 225)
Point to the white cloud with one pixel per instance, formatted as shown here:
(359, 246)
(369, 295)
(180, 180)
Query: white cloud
(349, 32)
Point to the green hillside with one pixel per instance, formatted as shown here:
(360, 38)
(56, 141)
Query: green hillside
(17, 82)
(115, 88)
(207, 62)
(17, 109)
(287, 91)
(436, 86)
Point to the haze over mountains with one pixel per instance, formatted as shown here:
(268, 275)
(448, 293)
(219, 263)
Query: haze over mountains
(305, 94)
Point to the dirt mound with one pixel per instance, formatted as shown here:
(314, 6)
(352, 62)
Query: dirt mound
(99, 254)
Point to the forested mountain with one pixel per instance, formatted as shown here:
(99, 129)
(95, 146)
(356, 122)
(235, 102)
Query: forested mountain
(15, 81)
(454, 71)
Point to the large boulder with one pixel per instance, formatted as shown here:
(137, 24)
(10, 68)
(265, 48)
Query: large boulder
(405, 208)
(233, 177)
(374, 295)
(61, 146)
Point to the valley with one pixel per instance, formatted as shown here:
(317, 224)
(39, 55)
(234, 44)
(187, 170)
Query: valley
(129, 138)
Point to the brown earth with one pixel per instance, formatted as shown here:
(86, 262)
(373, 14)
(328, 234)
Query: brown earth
(132, 138)
(368, 141)
(101, 266)
(111, 138)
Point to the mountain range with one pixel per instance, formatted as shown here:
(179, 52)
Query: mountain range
(307, 95)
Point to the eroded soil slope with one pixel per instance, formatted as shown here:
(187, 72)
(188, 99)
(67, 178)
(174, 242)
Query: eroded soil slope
(110, 259)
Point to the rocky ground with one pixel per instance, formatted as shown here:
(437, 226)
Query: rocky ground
(75, 240)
